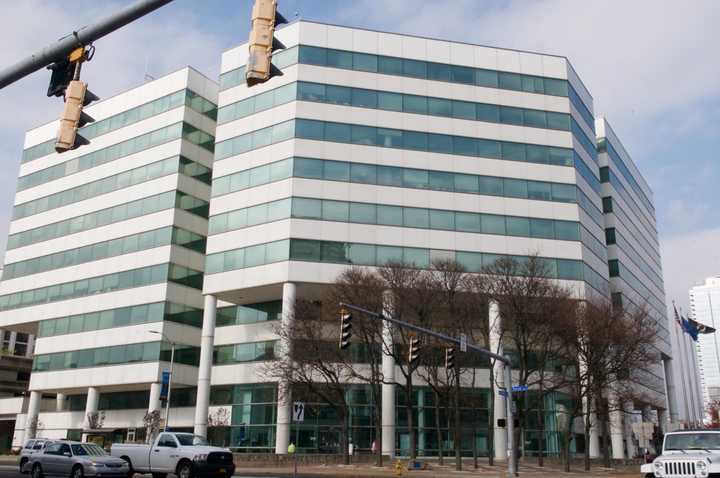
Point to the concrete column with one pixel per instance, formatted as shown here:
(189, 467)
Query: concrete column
(616, 431)
(11, 343)
(388, 389)
(499, 407)
(91, 405)
(629, 444)
(30, 346)
(154, 402)
(60, 402)
(31, 419)
(664, 419)
(284, 414)
(207, 341)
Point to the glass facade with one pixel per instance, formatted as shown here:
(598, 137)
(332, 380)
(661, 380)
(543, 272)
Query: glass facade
(111, 153)
(244, 352)
(155, 107)
(119, 354)
(121, 317)
(102, 284)
(388, 215)
(249, 313)
(103, 250)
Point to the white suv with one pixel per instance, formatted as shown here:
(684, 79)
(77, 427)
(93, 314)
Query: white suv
(31, 447)
(687, 454)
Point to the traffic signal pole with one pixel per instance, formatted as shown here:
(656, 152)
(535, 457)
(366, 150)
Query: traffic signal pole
(512, 470)
(82, 37)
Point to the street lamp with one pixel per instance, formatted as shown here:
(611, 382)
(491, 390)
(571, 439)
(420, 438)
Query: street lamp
(172, 360)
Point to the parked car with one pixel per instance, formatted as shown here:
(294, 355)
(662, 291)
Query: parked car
(76, 460)
(32, 446)
(687, 453)
(184, 454)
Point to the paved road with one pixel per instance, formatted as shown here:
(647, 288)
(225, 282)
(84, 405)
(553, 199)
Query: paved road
(8, 471)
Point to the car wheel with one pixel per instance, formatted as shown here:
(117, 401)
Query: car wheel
(77, 472)
(22, 465)
(37, 471)
(131, 472)
(185, 470)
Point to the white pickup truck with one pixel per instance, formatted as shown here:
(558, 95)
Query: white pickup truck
(687, 454)
(183, 454)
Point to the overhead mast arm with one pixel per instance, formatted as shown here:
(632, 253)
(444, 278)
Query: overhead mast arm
(83, 37)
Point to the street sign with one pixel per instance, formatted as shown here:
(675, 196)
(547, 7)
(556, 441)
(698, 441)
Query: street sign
(463, 343)
(520, 388)
(502, 393)
(298, 412)
(164, 384)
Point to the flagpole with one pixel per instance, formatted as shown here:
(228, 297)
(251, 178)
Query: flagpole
(712, 319)
(683, 360)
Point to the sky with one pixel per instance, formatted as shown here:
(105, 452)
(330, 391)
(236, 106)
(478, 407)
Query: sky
(651, 66)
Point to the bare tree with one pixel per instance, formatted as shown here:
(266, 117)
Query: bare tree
(316, 370)
(152, 420)
(610, 346)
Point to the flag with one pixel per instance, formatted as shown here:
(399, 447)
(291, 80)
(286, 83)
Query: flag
(690, 328)
(702, 328)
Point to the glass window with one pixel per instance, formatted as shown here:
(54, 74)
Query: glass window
(308, 168)
(389, 138)
(569, 269)
(336, 171)
(538, 190)
(361, 254)
(439, 72)
(338, 94)
(390, 215)
(385, 254)
(365, 62)
(339, 59)
(440, 107)
(566, 230)
(362, 213)
(390, 66)
(466, 183)
(518, 226)
(389, 176)
(490, 186)
(415, 217)
(414, 68)
(487, 78)
(465, 146)
(390, 101)
(559, 121)
(463, 74)
(415, 104)
(334, 252)
(307, 208)
(304, 250)
(516, 188)
(535, 118)
(467, 222)
(338, 132)
(415, 178)
(416, 257)
(444, 220)
(509, 115)
(311, 91)
(493, 224)
(463, 110)
(440, 143)
(364, 135)
(364, 98)
(335, 210)
(363, 173)
(510, 81)
(542, 228)
(309, 129)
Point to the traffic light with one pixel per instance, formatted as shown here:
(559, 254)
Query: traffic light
(413, 350)
(62, 74)
(345, 329)
(262, 41)
(449, 358)
(76, 97)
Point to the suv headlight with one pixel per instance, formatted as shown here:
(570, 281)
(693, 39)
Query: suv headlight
(701, 467)
(201, 457)
(659, 468)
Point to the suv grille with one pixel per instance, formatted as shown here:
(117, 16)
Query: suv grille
(679, 468)
(220, 458)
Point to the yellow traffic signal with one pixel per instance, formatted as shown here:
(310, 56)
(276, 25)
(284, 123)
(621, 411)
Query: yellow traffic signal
(264, 19)
(72, 118)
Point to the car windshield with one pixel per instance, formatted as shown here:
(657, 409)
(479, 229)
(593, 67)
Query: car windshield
(190, 440)
(87, 450)
(38, 445)
(692, 441)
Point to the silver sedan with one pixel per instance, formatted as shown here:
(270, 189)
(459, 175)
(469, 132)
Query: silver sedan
(76, 460)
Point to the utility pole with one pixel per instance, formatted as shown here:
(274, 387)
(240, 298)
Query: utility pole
(80, 38)
(512, 469)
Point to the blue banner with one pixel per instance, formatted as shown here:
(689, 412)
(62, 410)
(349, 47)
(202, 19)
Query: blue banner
(164, 384)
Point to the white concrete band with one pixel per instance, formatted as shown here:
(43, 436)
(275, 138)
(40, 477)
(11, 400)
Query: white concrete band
(282, 433)
(207, 342)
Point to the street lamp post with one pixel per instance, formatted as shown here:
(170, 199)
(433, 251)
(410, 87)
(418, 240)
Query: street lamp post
(172, 361)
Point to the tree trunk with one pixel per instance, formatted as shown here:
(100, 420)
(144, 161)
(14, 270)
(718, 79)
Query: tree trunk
(566, 448)
(410, 417)
(457, 437)
(541, 426)
(491, 421)
(438, 430)
(377, 412)
(344, 436)
(604, 417)
(587, 439)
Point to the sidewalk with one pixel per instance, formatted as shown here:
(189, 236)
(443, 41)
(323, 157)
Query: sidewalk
(436, 471)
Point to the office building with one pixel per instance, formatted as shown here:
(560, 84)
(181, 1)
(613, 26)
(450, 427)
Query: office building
(705, 309)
